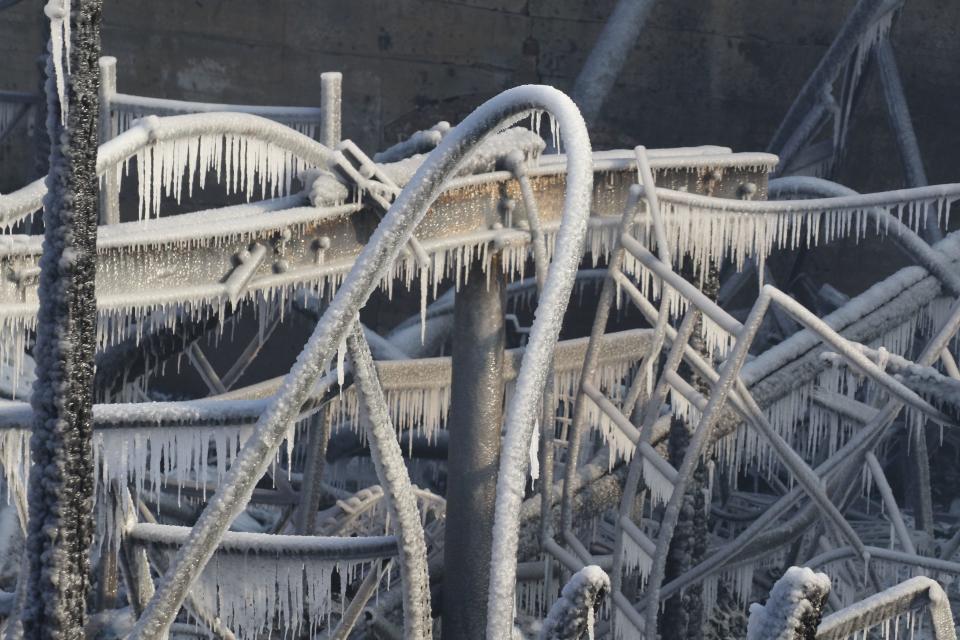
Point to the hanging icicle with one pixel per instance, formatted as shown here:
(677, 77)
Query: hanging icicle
(258, 592)
(58, 12)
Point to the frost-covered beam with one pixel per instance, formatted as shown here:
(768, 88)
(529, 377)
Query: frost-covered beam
(147, 271)
(925, 381)
(243, 406)
(918, 248)
(240, 543)
(165, 147)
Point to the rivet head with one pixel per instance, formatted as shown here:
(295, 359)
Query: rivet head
(748, 190)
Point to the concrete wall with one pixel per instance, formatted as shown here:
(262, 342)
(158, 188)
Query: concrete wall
(703, 71)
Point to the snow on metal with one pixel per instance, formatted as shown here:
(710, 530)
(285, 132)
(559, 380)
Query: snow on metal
(324, 226)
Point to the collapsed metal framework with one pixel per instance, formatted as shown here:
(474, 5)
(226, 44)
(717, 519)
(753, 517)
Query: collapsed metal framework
(358, 225)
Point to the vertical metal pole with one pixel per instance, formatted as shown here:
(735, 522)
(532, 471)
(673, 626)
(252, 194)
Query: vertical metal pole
(476, 418)
(110, 194)
(312, 488)
(330, 105)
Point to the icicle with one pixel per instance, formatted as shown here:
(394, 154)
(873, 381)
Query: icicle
(255, 593)
(534, 452)
(620, 446)
(58, 11)
(341, 369)
(424, 287)
(635, 558)
(660, 487)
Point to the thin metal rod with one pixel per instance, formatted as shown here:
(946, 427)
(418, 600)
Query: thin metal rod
(205, 369)
(354, 610)
(886, 493)
(250, 352)
(397, 489)
(312, 487)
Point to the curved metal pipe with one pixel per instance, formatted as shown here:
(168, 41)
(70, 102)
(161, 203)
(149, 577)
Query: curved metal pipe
(523, 410)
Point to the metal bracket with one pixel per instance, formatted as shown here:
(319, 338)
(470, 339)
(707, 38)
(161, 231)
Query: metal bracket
(354, 167)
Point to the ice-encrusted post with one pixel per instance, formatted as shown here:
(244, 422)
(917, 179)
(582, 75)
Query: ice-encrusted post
(60, 528)
(572, 616)
(793, 609)
(330, 106)
(476, 415)
(110, 194)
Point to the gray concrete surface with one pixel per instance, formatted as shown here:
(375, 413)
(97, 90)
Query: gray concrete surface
(703, 71)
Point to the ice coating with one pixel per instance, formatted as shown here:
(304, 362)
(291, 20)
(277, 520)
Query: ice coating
(709, 230)
(423, 407)
(400, 498)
